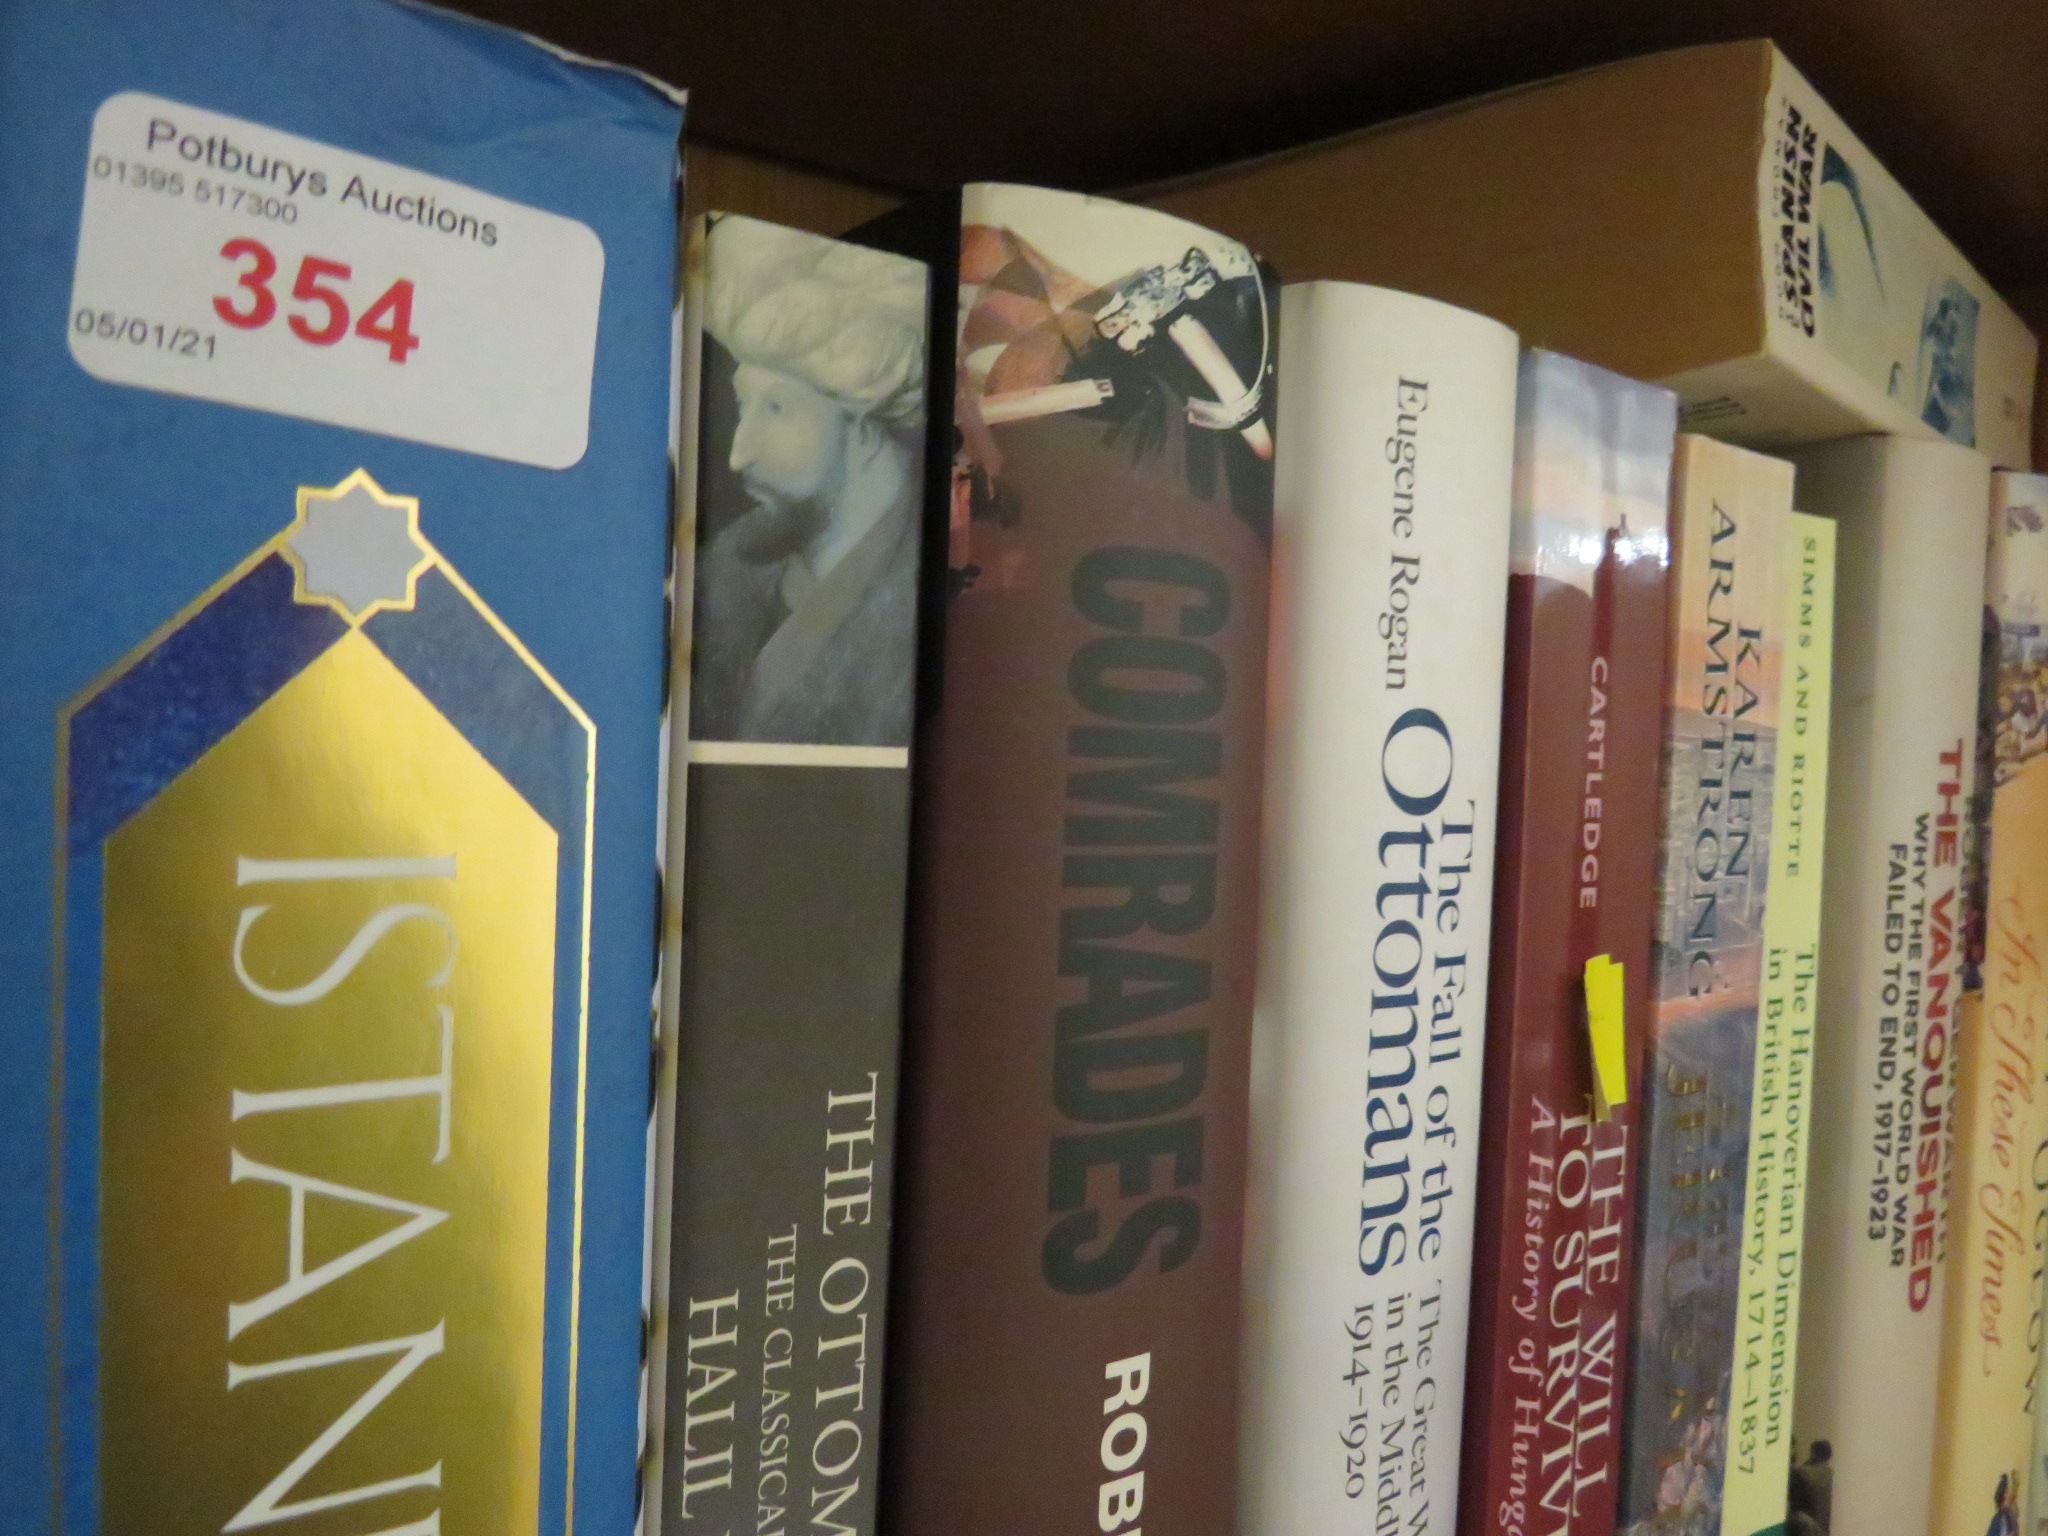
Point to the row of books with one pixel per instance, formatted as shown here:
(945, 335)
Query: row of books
(1533, 1084)
(1220, 966)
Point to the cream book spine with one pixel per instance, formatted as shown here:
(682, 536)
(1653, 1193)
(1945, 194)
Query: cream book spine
(1991, 1334)
(1908, 595)
(1391, 568)
(1759, 1455)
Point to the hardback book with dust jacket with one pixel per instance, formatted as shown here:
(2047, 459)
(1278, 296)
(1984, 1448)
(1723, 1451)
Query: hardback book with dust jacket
(1559, 1165)
(1991, 1337)
(334, 521)
(798, 535)
(1070, 1197)
(1731, 514)
(1391, 549)
(1908, 599)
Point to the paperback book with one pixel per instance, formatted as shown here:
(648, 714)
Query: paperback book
(1558, 1164)
(1391, 539)
(1085, 888)
(1700, 217)
(799, 534)
(1766, 1343)
(1909, 595)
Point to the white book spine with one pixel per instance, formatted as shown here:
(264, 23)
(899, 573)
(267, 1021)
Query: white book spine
(1909, 595)
(1391, 560)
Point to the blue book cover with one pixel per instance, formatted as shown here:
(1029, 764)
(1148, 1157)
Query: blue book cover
(334, 493)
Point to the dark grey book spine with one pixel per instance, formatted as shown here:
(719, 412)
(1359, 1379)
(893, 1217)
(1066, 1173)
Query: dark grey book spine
(788, 858)
(785, 1110)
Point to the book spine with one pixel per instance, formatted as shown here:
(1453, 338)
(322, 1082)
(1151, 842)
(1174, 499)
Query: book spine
(1066, 1352)
(1391, 549)
(661, 1130)
(1581, 728)
(1766, 1345)
(789, 859)
(1908, 598)
(1730, 512)
(1992, 1328)
(1868, 302)
(331, 771)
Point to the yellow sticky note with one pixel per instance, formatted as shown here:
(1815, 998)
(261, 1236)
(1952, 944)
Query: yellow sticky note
(1604, 1024)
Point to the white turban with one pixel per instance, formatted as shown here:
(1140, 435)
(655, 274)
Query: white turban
(848, 321)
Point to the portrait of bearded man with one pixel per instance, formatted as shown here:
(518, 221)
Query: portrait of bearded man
(807, 592)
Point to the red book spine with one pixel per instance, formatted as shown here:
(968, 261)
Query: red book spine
(1064, 1351)
(1575, 878)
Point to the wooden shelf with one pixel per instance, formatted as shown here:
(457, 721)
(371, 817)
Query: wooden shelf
(911, 94)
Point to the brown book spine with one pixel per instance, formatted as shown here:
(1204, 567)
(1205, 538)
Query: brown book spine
(1077, 1038)
(1576, 878)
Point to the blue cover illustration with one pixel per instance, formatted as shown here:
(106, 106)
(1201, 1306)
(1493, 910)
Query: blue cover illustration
(1853, 282)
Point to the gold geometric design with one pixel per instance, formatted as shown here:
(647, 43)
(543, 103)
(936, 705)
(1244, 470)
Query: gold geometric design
(385, 1364)
(326, 1067)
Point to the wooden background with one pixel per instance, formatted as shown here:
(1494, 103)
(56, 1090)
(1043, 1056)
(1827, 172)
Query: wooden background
(1098, 94)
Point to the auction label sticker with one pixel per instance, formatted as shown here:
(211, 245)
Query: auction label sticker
(224, 260)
